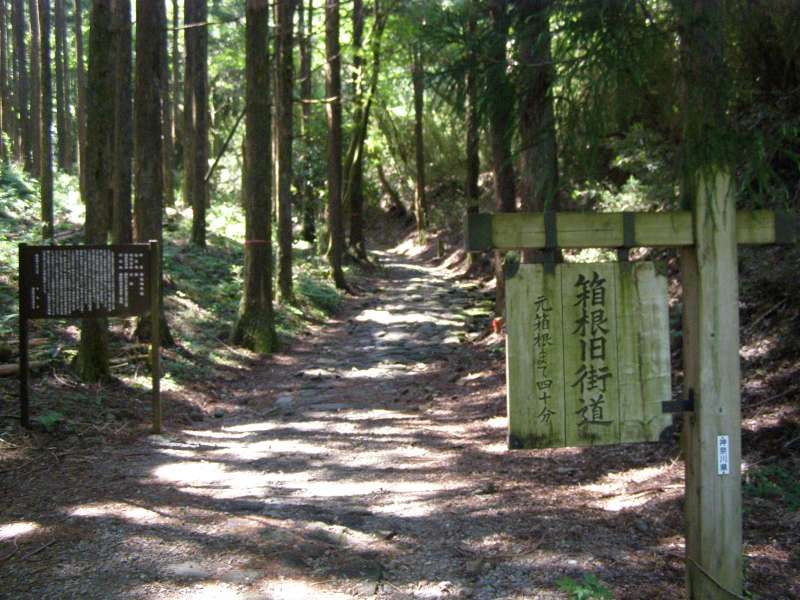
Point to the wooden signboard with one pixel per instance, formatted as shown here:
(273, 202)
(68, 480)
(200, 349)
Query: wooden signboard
(588, 359)
(121, 280)
(84, 281)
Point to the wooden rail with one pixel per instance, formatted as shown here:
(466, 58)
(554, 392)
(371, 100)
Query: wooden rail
(511, 231)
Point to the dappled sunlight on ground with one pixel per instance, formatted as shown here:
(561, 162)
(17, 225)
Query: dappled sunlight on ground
(18, 529)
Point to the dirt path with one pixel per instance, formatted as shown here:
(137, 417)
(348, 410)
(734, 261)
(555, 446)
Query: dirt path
(367, 462)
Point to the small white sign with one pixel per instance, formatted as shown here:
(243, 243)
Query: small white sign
(723, 455)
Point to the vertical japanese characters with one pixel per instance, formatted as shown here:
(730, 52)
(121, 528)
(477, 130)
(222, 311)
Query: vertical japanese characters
(542, 346)
(592, 374)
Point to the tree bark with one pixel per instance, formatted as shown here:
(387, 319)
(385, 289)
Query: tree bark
(333, 92)
(354, 183)
(64, 152)
(93, 353)
(255, 327)
(5, 106)
(148, 176)
(501, 104)
(25, 139)
(177, 121)
(46, 121)
(285, 80)
(196, 116)
(80, 109)
(537, 126)
(420, 201)
(36, 87)
(121, 222)
(168, 130)
(309, 233)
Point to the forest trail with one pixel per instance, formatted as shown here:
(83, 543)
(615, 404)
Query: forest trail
(368, 461)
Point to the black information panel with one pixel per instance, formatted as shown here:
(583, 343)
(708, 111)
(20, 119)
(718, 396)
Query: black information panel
(84, 281)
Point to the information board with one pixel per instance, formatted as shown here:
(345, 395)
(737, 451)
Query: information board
(122, 280)
(588, 359)
(85, 281)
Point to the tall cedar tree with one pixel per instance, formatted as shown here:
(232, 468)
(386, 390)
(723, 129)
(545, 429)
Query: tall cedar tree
(537, 126)
(36, 85)
(353, 198)
(255, 327)
(63, 124)
(148, 177)
(167, 125)
(92, 359)
(363, 96)
(333, 92)
(501, 103)
(177, 122)
(420, 200)
(80, 104)
(5, 122)
(284, 112)
(46, 120)
(305, 25)
(472, 121)
(121, 225)
(24, 127)
(195, 98)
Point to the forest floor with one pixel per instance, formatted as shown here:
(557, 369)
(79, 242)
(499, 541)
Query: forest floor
(367, 460)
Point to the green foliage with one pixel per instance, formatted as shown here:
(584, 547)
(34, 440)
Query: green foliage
(49, 420)
(587, 589)
(775, 483)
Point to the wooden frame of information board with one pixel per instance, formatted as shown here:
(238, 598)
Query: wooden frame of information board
(90, 281)
(707, 237)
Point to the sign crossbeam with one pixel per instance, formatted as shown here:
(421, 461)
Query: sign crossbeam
(512, 231)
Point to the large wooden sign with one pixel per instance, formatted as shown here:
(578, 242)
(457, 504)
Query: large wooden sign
(123, 280)
(588, 359)
(84, 281)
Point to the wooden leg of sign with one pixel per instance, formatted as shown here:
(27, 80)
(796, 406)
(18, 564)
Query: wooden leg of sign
(712, 434)
(24, 387)
(155, 331)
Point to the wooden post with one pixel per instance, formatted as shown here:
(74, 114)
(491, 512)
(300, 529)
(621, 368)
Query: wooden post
(155, 331)
(24, 388)
(712, 434)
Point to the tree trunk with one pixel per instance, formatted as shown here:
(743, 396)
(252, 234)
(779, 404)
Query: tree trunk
(69, 149)
(394, 197)
(420, 201)
(354, 161)
(121, 224)
(168, 130)
(537, 127)
(255, 327)
(333, 92)
(46, 121)
(305, 24)
(24, 126)
(64, 152)
(36, 87)
(500, 106)
(5, 112)
(149, 85)
(93, 354)
(177, 121)
(472, 131)
(196, 116)
(80, 110)
(285, 80)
